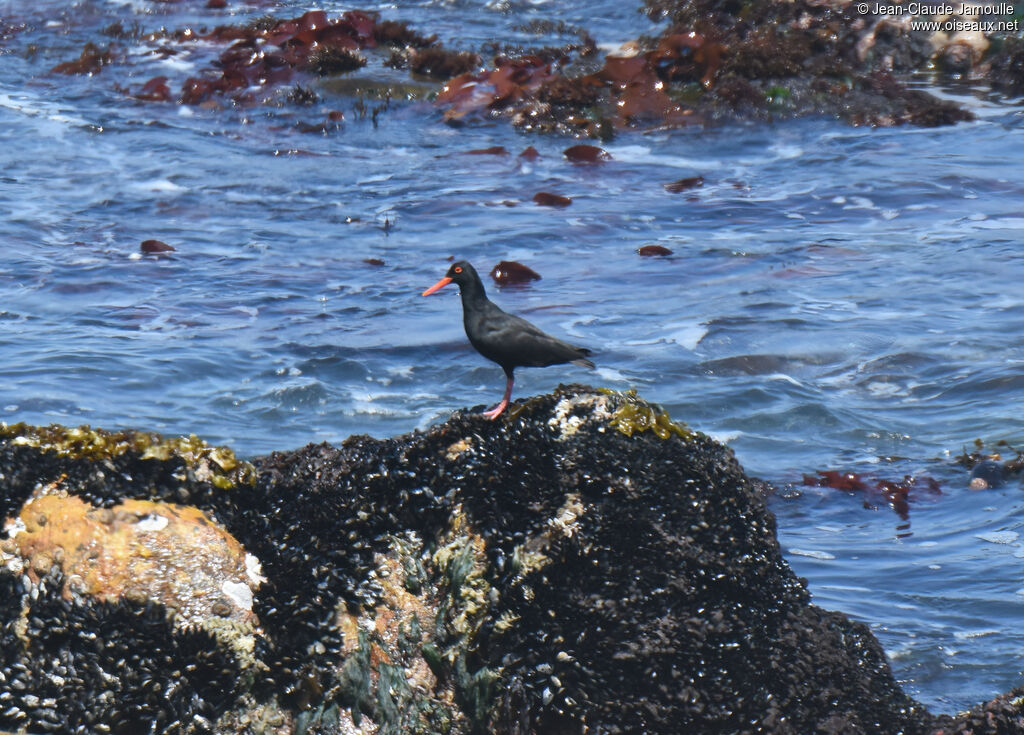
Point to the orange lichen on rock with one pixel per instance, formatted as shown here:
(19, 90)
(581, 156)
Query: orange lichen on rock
(138, 550)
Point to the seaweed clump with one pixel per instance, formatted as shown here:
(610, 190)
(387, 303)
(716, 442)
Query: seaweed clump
(635, 415)
(991, 467)
(713, 61)
(718, 61)
(399, 34)
(91, 61)
(440, 63)
(897, 494)
(326, 61)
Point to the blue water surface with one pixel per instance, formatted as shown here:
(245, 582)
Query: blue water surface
(837, 298)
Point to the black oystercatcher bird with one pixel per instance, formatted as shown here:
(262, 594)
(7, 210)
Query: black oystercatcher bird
(506, 339)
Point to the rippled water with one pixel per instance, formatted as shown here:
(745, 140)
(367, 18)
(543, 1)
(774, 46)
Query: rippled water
(838, 298)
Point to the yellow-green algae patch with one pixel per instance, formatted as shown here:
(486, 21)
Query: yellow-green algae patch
(635, 415)
(216, 465)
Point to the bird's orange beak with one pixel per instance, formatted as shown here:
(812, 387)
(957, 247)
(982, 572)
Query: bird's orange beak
(438, 286)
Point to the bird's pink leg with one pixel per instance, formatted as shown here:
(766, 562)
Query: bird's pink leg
(496, 411)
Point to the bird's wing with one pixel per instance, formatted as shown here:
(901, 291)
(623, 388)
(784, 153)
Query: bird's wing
(513, 340)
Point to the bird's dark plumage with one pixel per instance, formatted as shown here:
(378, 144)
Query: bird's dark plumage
(504, 338)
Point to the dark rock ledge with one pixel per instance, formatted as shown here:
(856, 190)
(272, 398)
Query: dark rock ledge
(585, 566)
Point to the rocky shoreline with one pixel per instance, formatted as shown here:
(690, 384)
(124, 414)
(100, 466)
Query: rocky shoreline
(709, 61)
(587, 565)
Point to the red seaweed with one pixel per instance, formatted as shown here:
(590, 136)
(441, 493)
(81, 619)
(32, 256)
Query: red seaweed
(686, 57)
(155, 90)
(741, 57)
(838, 481)
(512, 80)
(626, 91)
(509, 272)
(586, 154)
(691, 182)
(270, 51)
(547, 199)
(639, 91)
(649, 250)
(495, 150)
(529, 154)
(90, 62)
(155, 247)
(897, 493)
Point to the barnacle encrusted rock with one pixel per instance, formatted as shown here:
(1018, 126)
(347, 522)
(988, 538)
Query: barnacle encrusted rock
(137, 550)
(583, 565)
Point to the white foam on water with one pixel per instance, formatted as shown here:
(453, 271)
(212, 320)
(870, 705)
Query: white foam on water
(999, 537)
(687, 336)
(643, 154)
(823, 555)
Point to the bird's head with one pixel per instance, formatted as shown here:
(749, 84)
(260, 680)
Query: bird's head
(461, 273)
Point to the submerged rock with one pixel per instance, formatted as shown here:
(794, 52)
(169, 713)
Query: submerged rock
(585, 565)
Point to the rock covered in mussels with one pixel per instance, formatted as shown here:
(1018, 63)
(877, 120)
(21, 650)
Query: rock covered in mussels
(120, 614)
(586, 565)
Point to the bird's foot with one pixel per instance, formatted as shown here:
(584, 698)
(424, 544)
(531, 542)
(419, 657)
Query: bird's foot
(496, 411)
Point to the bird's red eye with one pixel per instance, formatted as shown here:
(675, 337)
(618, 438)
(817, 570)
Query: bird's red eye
(458, 269)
